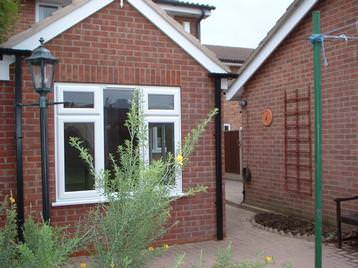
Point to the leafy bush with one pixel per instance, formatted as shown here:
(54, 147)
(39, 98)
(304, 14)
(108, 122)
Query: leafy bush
(9, 10)
(138, 195)
(44, 246)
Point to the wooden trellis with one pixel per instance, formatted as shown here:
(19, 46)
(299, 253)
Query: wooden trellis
(298, 142)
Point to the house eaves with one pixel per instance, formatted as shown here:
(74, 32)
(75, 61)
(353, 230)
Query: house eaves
(79, 10)
(289, 20)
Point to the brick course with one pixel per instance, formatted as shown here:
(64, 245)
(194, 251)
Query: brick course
(117, 46)
(289, 68)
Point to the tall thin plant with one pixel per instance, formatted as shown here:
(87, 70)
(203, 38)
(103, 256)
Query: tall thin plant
(138, 194)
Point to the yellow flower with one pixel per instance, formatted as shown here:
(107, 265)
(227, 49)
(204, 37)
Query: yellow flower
(12, 200)
(269, 259)
(166, 246)
(180, 159)
(151, 249)
(83, 265)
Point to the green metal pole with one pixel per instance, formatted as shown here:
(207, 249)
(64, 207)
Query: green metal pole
(317, 44)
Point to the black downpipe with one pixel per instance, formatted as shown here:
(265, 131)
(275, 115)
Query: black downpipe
(18, 53)
(19, 145)
(218, 163)
(44, 157)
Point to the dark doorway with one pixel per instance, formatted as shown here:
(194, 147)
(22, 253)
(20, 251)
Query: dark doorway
(232, 151)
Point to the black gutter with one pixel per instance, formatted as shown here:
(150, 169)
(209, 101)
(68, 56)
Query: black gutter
(225, 75)
(19, 142)
(185, 4)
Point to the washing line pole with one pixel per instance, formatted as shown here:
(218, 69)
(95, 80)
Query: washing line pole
(317, 40)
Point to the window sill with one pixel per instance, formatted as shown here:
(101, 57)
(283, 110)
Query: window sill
(74, 202)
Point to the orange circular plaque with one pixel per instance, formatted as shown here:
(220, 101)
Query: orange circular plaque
(267, 117)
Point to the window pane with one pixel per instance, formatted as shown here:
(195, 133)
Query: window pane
(161, 140)
(77, 173)
(160, 101)
(46, 11)
(78, 99)
(116, 105)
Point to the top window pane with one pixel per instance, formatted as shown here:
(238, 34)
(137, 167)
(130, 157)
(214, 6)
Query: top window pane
(160, 102)
(78, 99)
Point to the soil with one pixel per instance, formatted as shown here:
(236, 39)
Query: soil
(296, 226)
(285, 223)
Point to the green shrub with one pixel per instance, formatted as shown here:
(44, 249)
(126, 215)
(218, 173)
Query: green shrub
(138, 194)
(44, 246)
(9, 10)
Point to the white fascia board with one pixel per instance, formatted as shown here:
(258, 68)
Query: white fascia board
(5, 67)
(177, 10)
(269, 47)
(177, 36)
(63, 24)
(52, 30)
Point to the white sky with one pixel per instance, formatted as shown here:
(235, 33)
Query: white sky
(242, 23)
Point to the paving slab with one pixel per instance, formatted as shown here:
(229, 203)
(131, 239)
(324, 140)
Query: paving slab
(251, 243)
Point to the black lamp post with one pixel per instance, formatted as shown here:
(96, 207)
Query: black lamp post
(42, 66)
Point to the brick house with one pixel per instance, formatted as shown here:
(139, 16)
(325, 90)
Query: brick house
(106, 49)
(278, 78)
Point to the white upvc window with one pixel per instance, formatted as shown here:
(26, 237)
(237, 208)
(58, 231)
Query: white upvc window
(186, 25)
(96, 114)
(45, 9)
(227, 127)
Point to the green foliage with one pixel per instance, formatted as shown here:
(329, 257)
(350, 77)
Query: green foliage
(8, 239)
(9, 10)
(44, 246)
(138, 194)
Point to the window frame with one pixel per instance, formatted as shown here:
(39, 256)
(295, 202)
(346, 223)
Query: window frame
(44, 3)
(61, 194)
(161, 91)
(228, 125)
(77, 115)
(79, 111)
(187, 26)
(177, 189)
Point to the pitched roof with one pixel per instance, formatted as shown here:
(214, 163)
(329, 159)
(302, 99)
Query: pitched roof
(184, 4)
(293, 15)
(231, 54)
(72, 14)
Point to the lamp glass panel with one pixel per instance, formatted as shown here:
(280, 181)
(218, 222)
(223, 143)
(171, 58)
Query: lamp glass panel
(36, 75)
(48, 74)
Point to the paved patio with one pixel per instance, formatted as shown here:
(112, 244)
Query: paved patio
(250, 243)
(233, 191)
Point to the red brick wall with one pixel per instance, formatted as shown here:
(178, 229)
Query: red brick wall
(27, 15)
(289, 68)
(118, 46)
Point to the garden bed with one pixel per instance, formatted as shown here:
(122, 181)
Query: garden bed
(297, 227)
